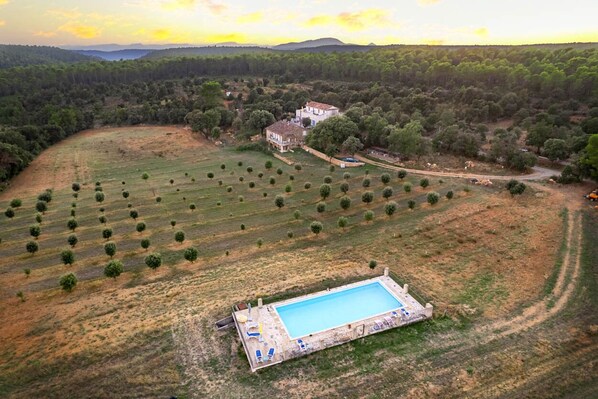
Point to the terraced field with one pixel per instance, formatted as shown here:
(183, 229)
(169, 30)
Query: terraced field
(511, 282)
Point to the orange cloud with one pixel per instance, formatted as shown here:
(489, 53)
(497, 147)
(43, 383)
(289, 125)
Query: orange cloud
(353, 21)
(80, 30)
(251, 18)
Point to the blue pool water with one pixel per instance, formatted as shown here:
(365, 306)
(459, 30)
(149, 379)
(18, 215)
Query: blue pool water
(336, 309)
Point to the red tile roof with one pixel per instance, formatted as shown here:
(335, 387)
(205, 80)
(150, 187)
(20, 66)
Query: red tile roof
(322, 106)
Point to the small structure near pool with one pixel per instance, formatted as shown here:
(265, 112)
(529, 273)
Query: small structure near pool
(284, 330)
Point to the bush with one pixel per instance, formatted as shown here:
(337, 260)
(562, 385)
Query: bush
(153, 261)
(316, 227)
(411, 204)
(517, 189)
(179, 236)
(72, 240)
(297, 214)
(76, 187)
(134, 214)
(240, 163)
(32, 247)
(145, 243)
(344, 187)
(260, 175)
(249, 169)
(346, 175)
(365, 182)
(325, 191)
(264, 194)
(407, 187)
(385, 178)
(279, 201)
(268, 165)
(298, 167)
(110, 249)
(331, 168)
(210, 175)
(279, 171)
(402, 174)
(241, 178)
(241, 198)
(46, 196)
(511, 183)
(424, 183)
(290, 234)
(307, 185)
(173, 223)
(321, 207)
(327, 179)
(223, 166)
(368, 216)
(72, 224)
(288, 188)
(449, 194)
(73, 213)
(38, 218)
(272, 180)
(390, 208)
(191, 253)
(67, 257)
(367, 197)
(433, 198)
(16, 203)
(192, 206)
(125, 194)
(27, 272)
(113, 269)
(158, 199)
(372, 264)
(107, 233)
(68, 282)
(255, 146)
(260, 242)
(251, 184)
(229, 189)
(342, 222)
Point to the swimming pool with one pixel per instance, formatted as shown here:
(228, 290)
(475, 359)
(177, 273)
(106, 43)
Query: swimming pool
(335, 309)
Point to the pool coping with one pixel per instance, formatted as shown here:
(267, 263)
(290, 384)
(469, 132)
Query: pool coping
(342, 288)
(275, 334)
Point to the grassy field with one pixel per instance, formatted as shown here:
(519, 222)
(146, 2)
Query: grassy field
(480, 258)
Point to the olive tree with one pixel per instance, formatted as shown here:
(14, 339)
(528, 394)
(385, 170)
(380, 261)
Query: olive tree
(433, 198)
(279, 201)
(192, 207)
(402, 174)
(325, 191)
(102, 219)
(385, 178)
(367, 197)
(407, 187)
(134, 214)
(76, 187)
(32, 247)
(368, 216)
(72, 224)
(342, 222)
(145, 176)
(46, 196)
(100, 197)
(16, 203)
(372, 264)
(387, 192)
(10, 213)
(41, 206)
(307, 185)
(316, 227)
(113, 269)
(190, 254)
(345, 202)
(172, 223)
(321, 207)
(35, 231)
(327, 179)
(68, 282)
(424, 183)
(72, 240)
(125, 194)
(365, 182)
(67, 257)
(38, 218)
(390, 208)
(145, 243)
(297, 214)
(449, 194)
(154, 260)
(411, 204)
(107, 233)
(110, 249)
(179, 236)
(344, 187)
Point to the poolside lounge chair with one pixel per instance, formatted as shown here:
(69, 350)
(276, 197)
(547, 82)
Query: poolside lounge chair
(378, 325)
(394, 314)
(253, 334)
(405, 312)
(258, 356)
(302, 344)
(252, 324)
(270, 354)
(388, 320)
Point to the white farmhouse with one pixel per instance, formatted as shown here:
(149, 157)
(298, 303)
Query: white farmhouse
(316, 112)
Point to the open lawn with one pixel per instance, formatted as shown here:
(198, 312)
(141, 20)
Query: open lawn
(481, 258)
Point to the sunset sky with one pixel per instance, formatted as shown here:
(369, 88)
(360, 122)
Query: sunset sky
(81, 22)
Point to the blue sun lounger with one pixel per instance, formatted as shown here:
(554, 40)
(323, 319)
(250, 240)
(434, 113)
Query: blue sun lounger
(270, 354)
(253, 334)
(258, 356)
(302, 345)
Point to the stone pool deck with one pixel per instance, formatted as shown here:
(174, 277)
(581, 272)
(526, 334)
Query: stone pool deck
(274, 334)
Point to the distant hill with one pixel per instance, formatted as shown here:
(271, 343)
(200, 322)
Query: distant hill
(129, 54)
(204, 51)
(344, 48)
(326, 41)
(14, 55)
